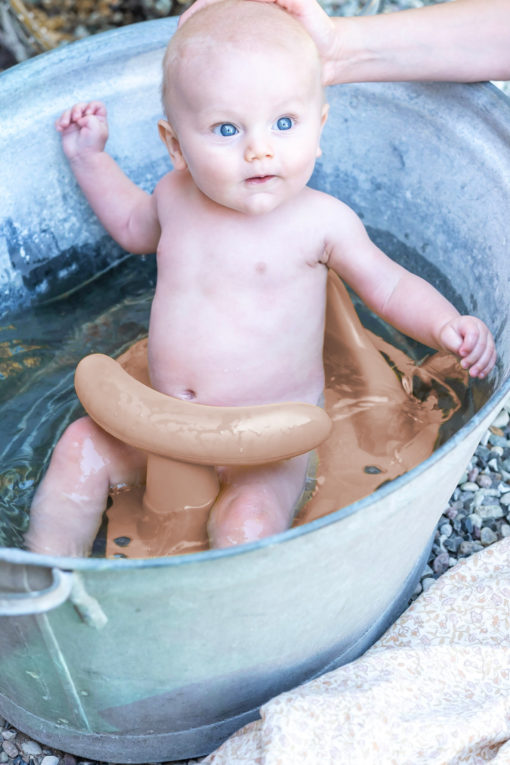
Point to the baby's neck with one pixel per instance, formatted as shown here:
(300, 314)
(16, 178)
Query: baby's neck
(241, 212)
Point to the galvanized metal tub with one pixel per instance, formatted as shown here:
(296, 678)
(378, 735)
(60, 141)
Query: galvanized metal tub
(145, 660)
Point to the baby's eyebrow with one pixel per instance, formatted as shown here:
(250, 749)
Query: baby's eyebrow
(221, 114)
(292, 105)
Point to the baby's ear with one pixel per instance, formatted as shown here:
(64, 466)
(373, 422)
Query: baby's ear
(169, 138)
(324, 116)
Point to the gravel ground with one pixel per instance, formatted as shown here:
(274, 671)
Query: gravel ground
(478, 513)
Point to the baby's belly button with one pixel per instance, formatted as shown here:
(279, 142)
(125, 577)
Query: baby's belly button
(175, 391)
(186, 395)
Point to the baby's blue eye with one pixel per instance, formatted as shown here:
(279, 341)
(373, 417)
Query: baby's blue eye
(284, 123)
(225, 129)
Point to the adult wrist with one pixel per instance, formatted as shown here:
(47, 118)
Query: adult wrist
(352, 57)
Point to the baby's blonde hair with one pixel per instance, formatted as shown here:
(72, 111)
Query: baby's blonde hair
(245, 25)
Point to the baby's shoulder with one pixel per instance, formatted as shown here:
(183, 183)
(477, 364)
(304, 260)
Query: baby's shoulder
(335, 217)
(171, 197)
(325, 203)
(326, 208)
(169, 185)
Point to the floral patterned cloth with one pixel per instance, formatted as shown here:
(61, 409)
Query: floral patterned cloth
(434, 690)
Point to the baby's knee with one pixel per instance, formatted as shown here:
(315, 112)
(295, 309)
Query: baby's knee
(78, 431)
(80, 437)
(97, 453)
(243, 515)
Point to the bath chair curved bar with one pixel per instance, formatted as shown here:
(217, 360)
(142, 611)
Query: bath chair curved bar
(184, 441)
(203, 435)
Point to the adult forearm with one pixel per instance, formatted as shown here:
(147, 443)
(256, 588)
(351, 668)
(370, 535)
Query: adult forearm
(464, 40)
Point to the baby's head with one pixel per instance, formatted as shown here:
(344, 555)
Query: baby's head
(244, 103)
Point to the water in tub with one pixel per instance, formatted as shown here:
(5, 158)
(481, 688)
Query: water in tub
(370, 445)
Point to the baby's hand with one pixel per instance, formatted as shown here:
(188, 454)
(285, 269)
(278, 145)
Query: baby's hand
(84, 129)
(470, 339)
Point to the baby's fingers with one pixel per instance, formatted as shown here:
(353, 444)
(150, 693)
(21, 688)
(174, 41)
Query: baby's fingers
(63, 122)
(451, 338)
(97, 108)
(70, 116)
(470, 339)
(76, 114)
(472, 345)
(477, 351)
(482, 359)
(485, 364)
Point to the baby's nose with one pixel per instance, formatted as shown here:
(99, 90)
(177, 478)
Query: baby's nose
(258, 147)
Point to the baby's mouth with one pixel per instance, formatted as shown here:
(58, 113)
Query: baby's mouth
(259, 179)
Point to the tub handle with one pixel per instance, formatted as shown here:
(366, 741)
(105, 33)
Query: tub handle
(38, 601)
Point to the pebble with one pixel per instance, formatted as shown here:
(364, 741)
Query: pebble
(50, 759)
(31, 748)
(452, 543)
(499, 440)
(468, 547)
(453, 510)
(469, 486)
(490, 511)
(471, 522)
(10, 749)
(441, 563)
(484, 480)
(482, 452)
(487, 536)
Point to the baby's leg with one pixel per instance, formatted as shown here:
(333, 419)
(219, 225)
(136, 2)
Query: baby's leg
(68, 505)
(256, 502)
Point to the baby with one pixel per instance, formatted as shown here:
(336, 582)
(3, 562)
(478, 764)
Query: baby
(243, 249)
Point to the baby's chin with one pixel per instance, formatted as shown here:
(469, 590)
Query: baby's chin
(258, 204)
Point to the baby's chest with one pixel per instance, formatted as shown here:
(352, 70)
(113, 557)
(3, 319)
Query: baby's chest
(259, 259)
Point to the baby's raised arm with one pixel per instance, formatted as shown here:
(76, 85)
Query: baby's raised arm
(127, 213)
(404, 300)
